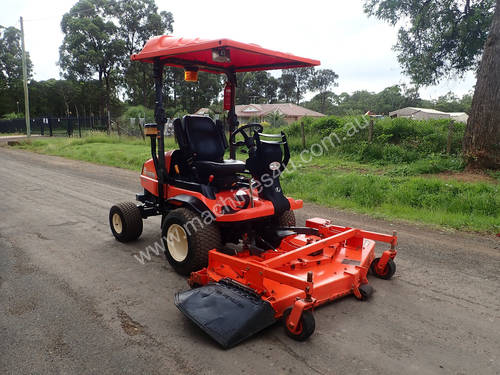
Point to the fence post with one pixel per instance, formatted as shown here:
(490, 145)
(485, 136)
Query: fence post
(109, 123)
(450, 135)
(50, 127)
(370, 131)
(303, 135)
(42, 126)
(68, 126)
(79, 126)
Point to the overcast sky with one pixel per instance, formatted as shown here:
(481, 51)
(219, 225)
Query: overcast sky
(337, 32)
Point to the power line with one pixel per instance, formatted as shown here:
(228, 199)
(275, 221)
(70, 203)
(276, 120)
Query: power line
(80, 12)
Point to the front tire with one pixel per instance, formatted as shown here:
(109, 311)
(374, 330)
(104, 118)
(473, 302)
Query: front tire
(187, 240)
(125, 221)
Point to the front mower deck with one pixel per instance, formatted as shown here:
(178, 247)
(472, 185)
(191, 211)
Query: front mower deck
(307, 270)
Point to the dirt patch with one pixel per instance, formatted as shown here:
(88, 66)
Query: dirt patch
(22, 307)
(464, 177)
(58, 346)
(129, 326)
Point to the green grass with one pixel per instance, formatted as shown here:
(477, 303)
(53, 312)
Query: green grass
(122, 152)
(387, 190)
(453, 204)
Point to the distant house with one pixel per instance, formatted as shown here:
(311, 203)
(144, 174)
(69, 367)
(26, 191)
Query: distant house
(427, 114)
(290, 112)
(202, 112)
(459, 116)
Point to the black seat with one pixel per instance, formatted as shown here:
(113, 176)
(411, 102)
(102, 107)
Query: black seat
(203, 144)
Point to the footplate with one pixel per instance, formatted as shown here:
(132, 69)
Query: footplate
(227, 312)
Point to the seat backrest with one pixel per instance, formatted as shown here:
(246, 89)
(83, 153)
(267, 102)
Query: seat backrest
(201, 137)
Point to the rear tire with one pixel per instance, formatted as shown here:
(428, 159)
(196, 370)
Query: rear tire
(125, 221)
(187, 240)
(287, 219)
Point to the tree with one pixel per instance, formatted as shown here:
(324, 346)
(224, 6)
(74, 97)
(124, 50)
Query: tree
(482, 135)
(61, 97)
(190, 96)
(323, 80)
(448, 37)
(256, 87)
(325, 103)
(91, 45)
(298, 80)
(286, 86)
(11, 70)
(138, 20)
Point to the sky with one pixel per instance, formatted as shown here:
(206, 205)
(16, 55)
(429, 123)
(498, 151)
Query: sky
(336, 32)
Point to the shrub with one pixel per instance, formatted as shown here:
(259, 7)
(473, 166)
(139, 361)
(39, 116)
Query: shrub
(399, 140)
(12, 116)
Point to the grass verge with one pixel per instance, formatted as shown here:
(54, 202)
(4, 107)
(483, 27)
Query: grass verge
(388, 191)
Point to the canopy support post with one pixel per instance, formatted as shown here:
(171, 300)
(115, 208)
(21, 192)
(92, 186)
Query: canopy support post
(232, 119)
(160, 119)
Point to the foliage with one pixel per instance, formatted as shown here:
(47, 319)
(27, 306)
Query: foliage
(398, 140)
(91, 45)
(138, 21)
(188, 97)
(295, 81)
(385, 101)
(276, 119)
(99, 37)
(322, 81)
(438, 38)
(11, 72)
(256, 87)
(138, 111)
(12, 116)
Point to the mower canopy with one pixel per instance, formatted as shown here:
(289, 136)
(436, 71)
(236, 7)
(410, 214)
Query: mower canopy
(217, 55)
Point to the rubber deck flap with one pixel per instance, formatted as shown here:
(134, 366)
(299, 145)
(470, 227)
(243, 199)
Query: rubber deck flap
(227, 313)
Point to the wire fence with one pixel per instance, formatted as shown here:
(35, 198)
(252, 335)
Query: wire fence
(76, 126)
(55, 126)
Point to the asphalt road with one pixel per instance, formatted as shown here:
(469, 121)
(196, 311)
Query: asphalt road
(74, 300)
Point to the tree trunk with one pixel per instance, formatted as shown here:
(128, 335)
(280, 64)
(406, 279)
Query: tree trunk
(482, 135)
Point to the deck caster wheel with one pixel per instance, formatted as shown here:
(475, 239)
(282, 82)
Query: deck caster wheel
(125, 221)
(305, 328)
(366, 292)
(387, 273)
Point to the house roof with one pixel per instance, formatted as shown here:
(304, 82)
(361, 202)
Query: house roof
(286, 109)
(217, 55)
(407, 111)
(202, 111)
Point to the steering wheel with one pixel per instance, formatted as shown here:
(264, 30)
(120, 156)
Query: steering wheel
(247, 139)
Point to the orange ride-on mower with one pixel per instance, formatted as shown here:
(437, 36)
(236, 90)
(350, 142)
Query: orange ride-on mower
(226, 223)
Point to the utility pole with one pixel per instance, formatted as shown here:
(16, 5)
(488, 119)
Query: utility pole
(25, 84)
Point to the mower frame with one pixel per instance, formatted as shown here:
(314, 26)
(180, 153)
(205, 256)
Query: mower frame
(344, 253)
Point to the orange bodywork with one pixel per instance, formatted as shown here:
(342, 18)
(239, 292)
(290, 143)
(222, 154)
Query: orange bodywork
(306, 270)
(261, 207)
